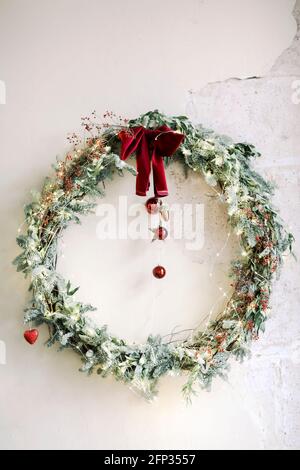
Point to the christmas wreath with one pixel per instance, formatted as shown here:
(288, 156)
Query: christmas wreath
(69, 193)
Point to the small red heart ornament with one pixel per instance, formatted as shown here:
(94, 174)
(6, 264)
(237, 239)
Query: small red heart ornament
(31, 336)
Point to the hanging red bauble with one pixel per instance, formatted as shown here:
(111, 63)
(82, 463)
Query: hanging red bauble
(159, 272)
(161, 233)
(152, 205)
(31, 336)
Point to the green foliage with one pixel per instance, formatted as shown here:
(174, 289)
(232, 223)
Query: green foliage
(69, 195)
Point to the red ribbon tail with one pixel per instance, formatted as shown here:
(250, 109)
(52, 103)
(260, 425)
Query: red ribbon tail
(143, 164)
(159, 176)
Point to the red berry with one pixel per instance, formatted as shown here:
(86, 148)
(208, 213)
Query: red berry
(250, 325)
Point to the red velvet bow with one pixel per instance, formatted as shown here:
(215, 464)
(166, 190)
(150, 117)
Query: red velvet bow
(162, 142)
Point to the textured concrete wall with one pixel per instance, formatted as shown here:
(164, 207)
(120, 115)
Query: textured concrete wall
(232, 65)
(269, 116)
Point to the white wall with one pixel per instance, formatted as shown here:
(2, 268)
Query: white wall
(59, 60)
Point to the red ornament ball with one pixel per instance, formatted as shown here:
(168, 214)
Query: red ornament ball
(152, 205)
(161, 233)
(31, 336)
(159, 272)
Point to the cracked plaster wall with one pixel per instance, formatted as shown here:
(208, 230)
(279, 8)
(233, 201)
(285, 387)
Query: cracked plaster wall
(58, 64)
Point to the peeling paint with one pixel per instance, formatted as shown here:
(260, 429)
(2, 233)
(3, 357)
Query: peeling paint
(278, 62)
(289, 60)
(269, 388)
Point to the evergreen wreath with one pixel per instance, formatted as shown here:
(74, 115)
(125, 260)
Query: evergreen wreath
(69, 194)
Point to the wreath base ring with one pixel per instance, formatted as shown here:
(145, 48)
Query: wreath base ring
(68, 195)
